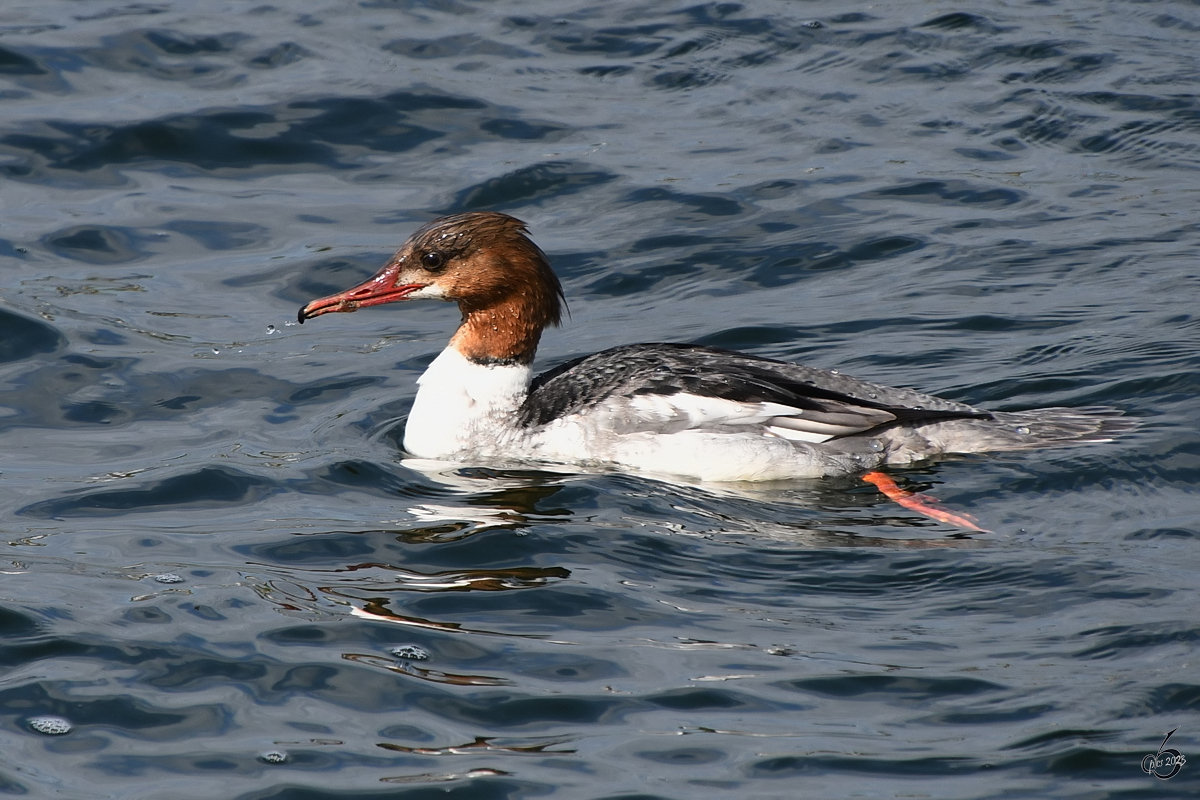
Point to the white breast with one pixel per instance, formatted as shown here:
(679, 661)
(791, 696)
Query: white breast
(463, 408)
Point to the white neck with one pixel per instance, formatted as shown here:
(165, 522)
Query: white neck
(464, 408)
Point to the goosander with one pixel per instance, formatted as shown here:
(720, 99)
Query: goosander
(661, 409)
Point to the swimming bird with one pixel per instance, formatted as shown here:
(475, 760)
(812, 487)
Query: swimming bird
(681, 410)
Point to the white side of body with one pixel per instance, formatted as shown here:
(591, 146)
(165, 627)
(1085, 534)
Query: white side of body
(467, 412)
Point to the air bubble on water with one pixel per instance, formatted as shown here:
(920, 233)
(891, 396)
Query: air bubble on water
(270, 329)
(410, 652)
(1022, 430)
(168, 577)
(876, 445)
(51, 726)
(273, 756)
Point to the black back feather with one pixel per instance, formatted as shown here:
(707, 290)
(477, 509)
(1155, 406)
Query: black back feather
(667, 369)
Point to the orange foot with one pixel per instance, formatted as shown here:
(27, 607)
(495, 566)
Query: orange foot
(920, 503)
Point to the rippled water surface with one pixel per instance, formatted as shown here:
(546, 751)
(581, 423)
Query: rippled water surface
(222, 579)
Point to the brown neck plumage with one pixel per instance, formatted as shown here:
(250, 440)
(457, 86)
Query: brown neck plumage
(507, 297)
(502, 333)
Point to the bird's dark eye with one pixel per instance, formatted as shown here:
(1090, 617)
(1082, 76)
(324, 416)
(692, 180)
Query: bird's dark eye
(433, 260)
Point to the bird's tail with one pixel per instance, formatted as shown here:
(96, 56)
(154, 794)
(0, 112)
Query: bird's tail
(1058, 427)
(1009, 430)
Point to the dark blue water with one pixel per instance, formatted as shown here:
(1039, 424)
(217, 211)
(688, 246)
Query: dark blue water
(222, 575)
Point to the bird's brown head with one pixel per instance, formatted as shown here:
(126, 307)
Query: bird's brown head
(482, 260)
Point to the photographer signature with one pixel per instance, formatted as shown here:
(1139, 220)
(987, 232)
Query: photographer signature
(1164, 764)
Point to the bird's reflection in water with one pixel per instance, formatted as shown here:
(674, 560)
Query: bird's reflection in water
(489, 497)
(831, 512)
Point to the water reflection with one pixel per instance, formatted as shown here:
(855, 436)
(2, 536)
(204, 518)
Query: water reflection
(492, 497)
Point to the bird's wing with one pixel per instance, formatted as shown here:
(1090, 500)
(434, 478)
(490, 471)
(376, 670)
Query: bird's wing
(667, 388)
